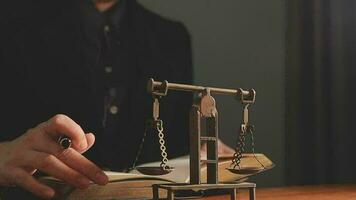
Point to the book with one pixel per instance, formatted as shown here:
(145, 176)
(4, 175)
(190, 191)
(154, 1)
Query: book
(134, 185)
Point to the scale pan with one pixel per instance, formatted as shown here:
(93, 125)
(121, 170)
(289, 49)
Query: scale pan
(246, 170)
(154, 171)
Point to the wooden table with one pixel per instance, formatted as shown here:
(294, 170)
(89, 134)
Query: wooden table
(322, 192)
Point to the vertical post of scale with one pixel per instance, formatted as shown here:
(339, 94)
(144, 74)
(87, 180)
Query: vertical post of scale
(195, 131)
(212, 150)
(205, 109)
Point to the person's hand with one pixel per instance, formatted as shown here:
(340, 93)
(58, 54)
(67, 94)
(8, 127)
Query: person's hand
(223, 150)
(38, 149)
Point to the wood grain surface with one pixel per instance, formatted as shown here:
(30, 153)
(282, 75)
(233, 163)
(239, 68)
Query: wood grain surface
(322, 192)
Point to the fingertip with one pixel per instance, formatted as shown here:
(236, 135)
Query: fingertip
(49, 193)
(101, 178)
(84, 183)
(90, 139)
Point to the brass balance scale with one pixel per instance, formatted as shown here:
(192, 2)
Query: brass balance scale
(204, 108)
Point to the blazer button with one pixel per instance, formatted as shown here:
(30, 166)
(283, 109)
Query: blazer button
(108, 69)
(114, 110)
(106, 28)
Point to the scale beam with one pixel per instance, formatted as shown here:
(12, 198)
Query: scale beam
(161, 88)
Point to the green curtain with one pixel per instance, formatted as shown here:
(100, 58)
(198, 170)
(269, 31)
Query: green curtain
(320, 91)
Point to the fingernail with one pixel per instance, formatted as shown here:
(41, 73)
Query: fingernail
(101, 178)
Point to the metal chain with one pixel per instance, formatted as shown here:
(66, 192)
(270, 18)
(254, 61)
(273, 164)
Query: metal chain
(164, 155)
(162, 145)
(251, 130)
(240, 148)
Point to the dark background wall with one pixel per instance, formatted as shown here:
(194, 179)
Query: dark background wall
(240, 44)
(320, 85)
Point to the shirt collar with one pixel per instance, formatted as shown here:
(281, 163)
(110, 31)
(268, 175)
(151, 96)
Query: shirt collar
(94, 21)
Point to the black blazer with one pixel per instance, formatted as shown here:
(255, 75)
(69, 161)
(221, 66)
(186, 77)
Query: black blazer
(43, 74)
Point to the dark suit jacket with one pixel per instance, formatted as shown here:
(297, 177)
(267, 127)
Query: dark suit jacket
(43, 74)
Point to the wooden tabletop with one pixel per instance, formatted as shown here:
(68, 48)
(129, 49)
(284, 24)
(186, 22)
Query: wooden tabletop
(322, 192)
